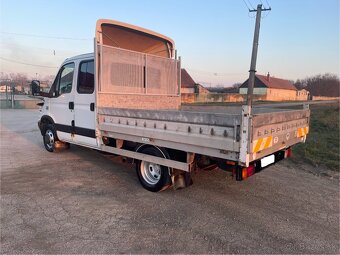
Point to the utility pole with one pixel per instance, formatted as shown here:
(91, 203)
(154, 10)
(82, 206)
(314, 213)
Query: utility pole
(252, 70)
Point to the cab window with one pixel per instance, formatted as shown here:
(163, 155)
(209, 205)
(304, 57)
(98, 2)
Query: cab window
(66, 79)
(86, 77)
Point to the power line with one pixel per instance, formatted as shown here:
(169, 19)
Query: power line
(212, 73)
(261, 2)
(264, 16)
(45, 51)
(28, 64)
(251, 15)
(246, 4)
(45, 36)
(250, 4)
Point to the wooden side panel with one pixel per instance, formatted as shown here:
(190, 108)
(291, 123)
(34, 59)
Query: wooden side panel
(146, 102)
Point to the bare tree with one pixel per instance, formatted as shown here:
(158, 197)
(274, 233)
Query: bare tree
(48, 79)
(320, 85)
(19, 78)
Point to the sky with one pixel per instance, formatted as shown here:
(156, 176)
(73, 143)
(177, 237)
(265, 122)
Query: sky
(298, 38)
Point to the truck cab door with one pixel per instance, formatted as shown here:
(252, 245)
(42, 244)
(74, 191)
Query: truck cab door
(61, 106)
(84, 105)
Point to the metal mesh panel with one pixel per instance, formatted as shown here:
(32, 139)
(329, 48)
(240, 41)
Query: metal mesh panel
(132, 72)
(122, 71)
(161, 75)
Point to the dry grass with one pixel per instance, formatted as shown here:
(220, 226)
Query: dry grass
(322, 145)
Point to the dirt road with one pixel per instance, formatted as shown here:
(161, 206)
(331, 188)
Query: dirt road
(79, 201)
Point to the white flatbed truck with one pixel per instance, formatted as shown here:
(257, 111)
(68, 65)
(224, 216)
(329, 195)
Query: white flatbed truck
(125, 99)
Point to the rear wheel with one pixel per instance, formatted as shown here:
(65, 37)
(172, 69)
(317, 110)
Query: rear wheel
(153, 177)
(50, 138)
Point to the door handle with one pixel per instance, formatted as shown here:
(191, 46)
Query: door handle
(92, 107)
(71, 105)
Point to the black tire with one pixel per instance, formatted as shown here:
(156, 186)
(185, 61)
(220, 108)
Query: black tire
(50, 138)
(153, 177)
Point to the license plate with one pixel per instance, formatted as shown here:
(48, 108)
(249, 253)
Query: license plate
(267, 160)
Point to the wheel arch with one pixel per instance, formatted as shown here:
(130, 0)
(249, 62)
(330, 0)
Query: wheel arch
(160, 149)
(44, 121)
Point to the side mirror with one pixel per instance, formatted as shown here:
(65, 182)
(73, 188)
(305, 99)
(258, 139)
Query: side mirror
(35, 88)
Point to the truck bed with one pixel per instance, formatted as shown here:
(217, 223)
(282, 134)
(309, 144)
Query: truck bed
(133, 84)
(210, 130)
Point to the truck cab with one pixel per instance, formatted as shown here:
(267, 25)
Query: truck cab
(70, 104)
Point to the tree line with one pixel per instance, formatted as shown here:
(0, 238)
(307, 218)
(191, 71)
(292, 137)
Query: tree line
(21, 79)
(320, 85)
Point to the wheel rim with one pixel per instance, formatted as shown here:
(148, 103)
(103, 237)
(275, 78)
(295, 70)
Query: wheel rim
(49, 139)
(151, 172)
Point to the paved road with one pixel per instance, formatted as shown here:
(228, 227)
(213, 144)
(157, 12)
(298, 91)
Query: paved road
(78, 201)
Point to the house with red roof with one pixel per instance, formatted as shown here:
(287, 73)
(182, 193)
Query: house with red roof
(187, 82)
(189, 86)
(275, 89)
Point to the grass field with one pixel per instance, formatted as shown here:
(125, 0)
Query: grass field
(322, 145)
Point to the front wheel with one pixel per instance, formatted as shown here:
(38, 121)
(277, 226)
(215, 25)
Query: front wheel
(50, 138)
(153, 177)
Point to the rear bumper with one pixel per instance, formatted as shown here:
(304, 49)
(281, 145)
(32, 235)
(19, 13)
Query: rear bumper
(254, 167)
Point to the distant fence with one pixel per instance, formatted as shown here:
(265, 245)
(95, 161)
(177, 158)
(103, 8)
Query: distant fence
(218, 98)
(324, 98)
(19, 104)
(190, 98)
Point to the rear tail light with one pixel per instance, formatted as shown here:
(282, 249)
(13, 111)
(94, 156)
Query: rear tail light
(248, 171)
(288, 153)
